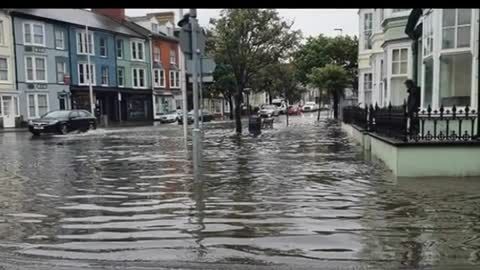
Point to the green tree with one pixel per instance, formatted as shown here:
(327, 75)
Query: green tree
(332, 78)
(223, 84)
(249, 40)
(319, 51)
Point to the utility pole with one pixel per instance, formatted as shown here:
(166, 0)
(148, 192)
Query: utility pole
(196, 132)
(183, 81)
(89, 68)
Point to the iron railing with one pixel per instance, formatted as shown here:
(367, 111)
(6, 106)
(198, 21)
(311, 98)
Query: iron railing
(443, 125)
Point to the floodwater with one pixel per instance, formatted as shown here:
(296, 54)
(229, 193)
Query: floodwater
(305, 195)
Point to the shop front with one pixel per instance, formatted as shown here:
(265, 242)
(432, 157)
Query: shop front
(163, 102)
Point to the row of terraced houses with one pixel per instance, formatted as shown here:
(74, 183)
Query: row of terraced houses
(134, 63)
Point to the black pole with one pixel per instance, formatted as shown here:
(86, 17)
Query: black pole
(478, 89)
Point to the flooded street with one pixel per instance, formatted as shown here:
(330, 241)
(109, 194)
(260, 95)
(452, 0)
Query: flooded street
(304, 196)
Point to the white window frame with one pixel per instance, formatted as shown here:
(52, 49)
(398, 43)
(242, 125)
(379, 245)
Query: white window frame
(8, 69)
(84, 45)
(103, 68)
(136, 82)
(122, 49)
(2, 33)
(32, 35)
(173, 56)
(85, 64)
(35, 105)
(123, 77)
(455, 49)
(176, 78)
(62, 34)
(399, 62)
(34, 68)
(134, 46)
(366, 31)
(161, 78)
(156, 52)
(64, 71)
(100, 47)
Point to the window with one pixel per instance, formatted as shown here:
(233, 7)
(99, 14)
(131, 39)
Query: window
(36, 68)
(428, 82)
(2, 39)
(455, 79)
(395, 10)
(456, 28)
(84, 74)
(428, 35)
(174, 79)
(37, 105)
(173, 57)
(156, 54)
(103, 47)
(104, 76)
(34, 34)
(139, 78)
(367, 81)
(59, 39)
(61, 71)
(159, 78)
(399, 61)
(119, 48)
(3, 69)
(121, 76)
(138, 52)
(367, 31)
(83, 44)
(154, 27)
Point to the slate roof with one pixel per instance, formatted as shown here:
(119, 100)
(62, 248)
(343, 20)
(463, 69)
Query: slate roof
(80, 17)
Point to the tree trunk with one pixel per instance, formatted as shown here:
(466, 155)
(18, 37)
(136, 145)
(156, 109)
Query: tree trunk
(238, 111)
(230, 104)
(335, 106)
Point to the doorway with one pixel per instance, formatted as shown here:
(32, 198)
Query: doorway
(8, 111)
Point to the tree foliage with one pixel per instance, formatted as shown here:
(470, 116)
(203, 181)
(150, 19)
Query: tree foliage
(332, 78)
(319, 51)
(249, 40)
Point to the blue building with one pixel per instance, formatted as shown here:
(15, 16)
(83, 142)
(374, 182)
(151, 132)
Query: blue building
(57, 76)
(41, 56)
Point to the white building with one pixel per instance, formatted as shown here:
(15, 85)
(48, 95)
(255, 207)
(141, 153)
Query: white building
(384, 56)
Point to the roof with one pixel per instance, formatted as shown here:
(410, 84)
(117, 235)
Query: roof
(144, 31)
(80, 17)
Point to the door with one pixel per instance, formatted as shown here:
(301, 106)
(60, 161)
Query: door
(75, 121)
(84, 120)
(8, 112)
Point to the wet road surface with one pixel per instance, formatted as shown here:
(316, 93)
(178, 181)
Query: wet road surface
(302, 197)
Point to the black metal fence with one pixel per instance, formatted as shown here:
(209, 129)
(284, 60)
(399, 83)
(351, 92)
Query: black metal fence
(447, 125)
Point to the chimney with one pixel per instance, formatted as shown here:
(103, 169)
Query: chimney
(114, 13)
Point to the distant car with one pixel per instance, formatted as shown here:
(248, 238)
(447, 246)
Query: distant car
(294, 110)
(169, 117)
(207, 117)
(310, 107)
(62, 122)
(269, 110)
(281, 104)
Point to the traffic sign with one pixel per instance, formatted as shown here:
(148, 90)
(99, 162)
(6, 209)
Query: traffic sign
(185, 37)
(208, 66)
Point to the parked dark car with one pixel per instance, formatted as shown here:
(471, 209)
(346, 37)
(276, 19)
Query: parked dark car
(62, 122)
(207, 117)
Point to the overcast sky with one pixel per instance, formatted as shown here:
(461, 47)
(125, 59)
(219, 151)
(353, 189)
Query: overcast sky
(310, 21)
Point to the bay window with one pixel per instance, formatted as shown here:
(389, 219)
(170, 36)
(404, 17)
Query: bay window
(159, 77)
(36, 67)
(138, 78)
(174, 79)
(367, 31)
(455, 79)
(399, 61)
(456, 28)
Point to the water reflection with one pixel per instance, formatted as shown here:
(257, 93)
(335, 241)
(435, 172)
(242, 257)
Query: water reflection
(301, 194)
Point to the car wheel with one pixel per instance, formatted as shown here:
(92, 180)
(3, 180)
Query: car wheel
(91, 126)
(63, 129)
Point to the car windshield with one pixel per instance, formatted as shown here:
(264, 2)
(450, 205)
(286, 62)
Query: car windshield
(269, 107)
(56, 114)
